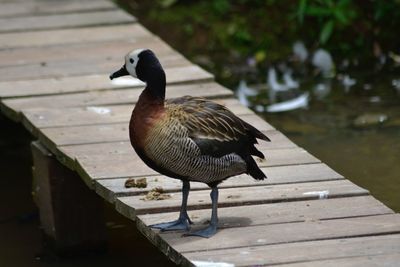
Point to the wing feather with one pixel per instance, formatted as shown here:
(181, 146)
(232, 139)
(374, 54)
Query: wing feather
(214, 128)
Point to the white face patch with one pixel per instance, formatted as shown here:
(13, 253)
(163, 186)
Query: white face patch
(131, 61)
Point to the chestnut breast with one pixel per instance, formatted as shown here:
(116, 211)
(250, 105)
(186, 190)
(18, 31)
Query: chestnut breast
(145, 115)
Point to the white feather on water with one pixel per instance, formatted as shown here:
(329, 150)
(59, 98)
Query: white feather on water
(299, 102)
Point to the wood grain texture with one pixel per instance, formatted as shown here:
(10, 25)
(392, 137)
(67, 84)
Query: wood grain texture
(79, 67)
(14, 9)
(52, 117)
(116, 160)
(115, 132)
(110, 189)
(134, 205)
(389, 260)
(59, 21)
(287, 233)
(305, 253)
(13, 107)
(112, 51)
(282, 212)
(46, 38)
(95, 82)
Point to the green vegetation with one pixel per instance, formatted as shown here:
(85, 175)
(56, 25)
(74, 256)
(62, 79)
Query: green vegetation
(269, 27)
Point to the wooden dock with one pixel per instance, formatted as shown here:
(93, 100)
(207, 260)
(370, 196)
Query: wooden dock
(55, 58)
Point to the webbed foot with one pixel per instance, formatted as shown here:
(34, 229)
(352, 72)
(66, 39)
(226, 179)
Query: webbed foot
(180, 224)
(206, 232)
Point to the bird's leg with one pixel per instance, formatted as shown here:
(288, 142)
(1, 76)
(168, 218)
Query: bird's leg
(212, 228)
(183, 221)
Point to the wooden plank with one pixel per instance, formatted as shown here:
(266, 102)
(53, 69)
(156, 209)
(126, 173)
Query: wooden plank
(110, 189)
(134, 205)
(304, 252)
(112, 51)
(370, 260)
(12, 107)
(262, 235)
(68, 36)
(79, 135)
(52, 117)
(71, 214)
(83, 66)
(59, 21)
(96, 82)
(13, 9)
(117, 160)
(283, 212)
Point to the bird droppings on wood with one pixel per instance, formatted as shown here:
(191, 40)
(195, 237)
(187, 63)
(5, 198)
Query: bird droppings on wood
(156, 193)
(138, 183)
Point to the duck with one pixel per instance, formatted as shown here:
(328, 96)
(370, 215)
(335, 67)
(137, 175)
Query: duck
(187, 138)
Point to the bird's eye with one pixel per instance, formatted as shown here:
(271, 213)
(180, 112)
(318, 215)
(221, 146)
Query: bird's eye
(131, 60)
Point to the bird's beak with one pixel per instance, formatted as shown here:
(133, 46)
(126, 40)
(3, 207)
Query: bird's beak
(121, 72)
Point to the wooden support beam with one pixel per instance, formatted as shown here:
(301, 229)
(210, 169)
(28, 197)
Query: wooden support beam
(71, 214)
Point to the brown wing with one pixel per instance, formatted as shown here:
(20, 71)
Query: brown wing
(214, 128)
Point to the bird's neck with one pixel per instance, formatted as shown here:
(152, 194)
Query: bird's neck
(156, 83)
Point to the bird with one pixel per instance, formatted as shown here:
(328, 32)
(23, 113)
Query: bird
(187, 138)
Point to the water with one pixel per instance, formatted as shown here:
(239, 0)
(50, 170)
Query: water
(20, 235)
(344, 131)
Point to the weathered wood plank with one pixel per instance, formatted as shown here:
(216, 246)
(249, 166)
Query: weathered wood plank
(59, 21)
(110, 189)
(13, 9)
(283, 233)
(116, 160)
(83, 66)
(68, 36)
(52, 117)
(96, 82)
(387, 260)
(79, 135)
(71, 215)
(12, 107)
(112, 51)
(304, 252)
(282, 212)
(134, 205)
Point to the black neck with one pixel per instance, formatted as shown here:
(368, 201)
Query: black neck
(156, 84)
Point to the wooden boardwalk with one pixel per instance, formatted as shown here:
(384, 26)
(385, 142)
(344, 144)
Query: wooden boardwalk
(55, 58)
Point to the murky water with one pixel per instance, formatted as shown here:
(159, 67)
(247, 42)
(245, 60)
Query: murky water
(356, 132)
(20, 235)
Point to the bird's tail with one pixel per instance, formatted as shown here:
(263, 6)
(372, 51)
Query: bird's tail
(253, 170)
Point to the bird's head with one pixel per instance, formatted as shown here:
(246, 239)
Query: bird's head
(139, 63)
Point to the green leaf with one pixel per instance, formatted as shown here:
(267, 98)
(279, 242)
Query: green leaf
(301, 10)
(326, 31)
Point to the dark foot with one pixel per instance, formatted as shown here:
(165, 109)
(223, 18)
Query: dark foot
(180, 224)
(206, 233)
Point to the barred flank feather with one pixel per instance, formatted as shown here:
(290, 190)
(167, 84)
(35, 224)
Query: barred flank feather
(203, 141)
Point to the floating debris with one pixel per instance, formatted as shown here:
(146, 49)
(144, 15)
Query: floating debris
(322, 60)
(289, 81)
(300, 51)
(396, 84)
(347, 82)
(138, 182)
(322, 90)
(370, 120)
(273, 85)
(156, 194)
(243, 91)
(299, 102)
